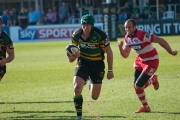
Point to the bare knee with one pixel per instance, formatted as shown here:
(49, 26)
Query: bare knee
(137, 87)
(77, 90)
(94, 97)
(78, 85)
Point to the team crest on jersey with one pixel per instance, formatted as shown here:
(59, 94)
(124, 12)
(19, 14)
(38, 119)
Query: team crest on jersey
(94, 39)
(136, 40)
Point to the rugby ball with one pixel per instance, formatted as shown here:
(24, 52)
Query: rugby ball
(71, 49)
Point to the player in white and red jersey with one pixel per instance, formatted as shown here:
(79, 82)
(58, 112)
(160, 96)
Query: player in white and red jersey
(146, 62)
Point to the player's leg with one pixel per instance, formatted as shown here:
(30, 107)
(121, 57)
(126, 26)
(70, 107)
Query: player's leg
(143, 80)
(139, 81)
(150, 70)
(2, 71)
(96, 77)
(95, 91)
(154, 81)
(139, 90)
(80, 77)
(78, 98)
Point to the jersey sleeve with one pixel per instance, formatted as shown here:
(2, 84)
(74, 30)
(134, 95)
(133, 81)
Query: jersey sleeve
(147, 37)
(74, 39)
(8, 41)
(104, 41)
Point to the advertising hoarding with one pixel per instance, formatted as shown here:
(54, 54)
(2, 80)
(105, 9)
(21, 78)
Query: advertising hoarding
(46, 32)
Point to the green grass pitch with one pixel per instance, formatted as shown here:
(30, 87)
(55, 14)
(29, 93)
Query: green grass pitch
(38, 85)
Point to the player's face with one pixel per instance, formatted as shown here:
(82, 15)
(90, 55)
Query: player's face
(86, 28)
(129, 28)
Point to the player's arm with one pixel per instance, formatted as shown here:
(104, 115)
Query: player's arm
(124, 51)
(109, 53)
(165, 45)
(9, 58)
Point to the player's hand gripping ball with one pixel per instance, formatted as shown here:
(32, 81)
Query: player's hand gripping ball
(70, 49)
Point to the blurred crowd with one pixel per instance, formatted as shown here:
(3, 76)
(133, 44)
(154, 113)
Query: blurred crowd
(69, 15)
(64, 15)
(131, 10)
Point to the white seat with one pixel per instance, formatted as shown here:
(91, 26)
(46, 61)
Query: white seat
(168, 15)
(98, 18)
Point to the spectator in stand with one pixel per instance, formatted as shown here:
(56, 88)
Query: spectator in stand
(39, 22)
(135, 12)
(50, 16)
(32, 17)
(15, 12)
(69, 8)
(45, 20)
(63, 13)
(70, 19)
(162, 9)
(146, 12)
(77, 10)
(40, 12)
(23, 18)
(131, 4)
(85, 7)
(124, 13)
(12, 21)
(5, 18)
(7, 11)
(55, 12)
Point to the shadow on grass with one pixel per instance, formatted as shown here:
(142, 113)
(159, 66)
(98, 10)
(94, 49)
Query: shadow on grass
(36, 102)
(65, 117)
(165, 112)
(47, 115)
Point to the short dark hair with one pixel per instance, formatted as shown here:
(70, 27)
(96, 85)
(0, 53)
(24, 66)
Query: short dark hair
(131, 20)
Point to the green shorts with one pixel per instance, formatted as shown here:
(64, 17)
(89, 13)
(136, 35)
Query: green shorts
(2, 71)
(92, 69)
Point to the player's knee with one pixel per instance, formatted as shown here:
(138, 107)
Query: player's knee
(77, 90)
(94, 97)
(138, 87)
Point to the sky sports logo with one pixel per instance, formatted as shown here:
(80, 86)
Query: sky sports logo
(28, 34)
(47, 33)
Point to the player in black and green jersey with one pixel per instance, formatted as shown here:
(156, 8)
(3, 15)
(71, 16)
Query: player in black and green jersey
(93, 44)
(6, 46)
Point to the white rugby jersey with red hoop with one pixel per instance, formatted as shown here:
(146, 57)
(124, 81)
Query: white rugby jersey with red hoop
(141, 42)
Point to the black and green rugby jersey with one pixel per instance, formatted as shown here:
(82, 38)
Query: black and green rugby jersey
(5, 42)
(91, 49)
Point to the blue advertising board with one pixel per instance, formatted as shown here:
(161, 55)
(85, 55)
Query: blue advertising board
(6, 29)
